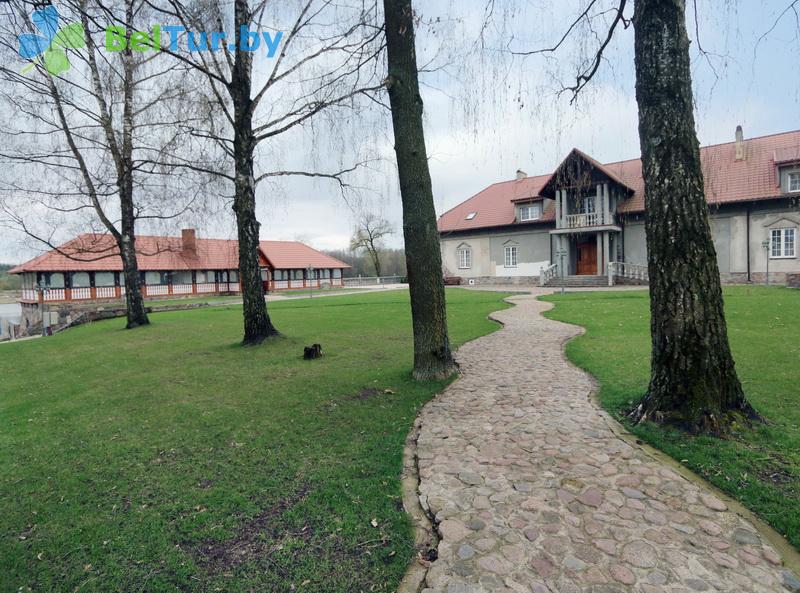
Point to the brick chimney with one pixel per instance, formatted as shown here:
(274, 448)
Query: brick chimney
(521, 174)
(189, 242)
(740, 152)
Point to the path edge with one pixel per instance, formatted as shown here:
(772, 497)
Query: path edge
(789, 555)
(426, 534)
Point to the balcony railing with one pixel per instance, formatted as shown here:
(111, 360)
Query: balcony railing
(626, 271)
(547, 274)
(589, 219)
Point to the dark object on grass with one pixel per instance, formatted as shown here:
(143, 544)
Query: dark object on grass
(452, 280)
(312, 352)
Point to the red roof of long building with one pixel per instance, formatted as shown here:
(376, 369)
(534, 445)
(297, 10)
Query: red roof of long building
(99, 253)
(727, 180)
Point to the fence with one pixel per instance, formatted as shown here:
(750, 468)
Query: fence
(369, 281)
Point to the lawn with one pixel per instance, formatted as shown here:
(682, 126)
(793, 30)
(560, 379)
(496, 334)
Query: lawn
(759, 467)
(169, 458)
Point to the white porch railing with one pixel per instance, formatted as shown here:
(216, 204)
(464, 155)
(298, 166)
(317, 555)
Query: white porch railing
(547, 274)
(156, 290)
(181, 289)
(207, 287)
(54, 294)
(589, 219)
(619, 269)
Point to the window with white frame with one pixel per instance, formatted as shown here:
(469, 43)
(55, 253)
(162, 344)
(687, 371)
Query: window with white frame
(793, 181)
(530, 212)
(464, 257)
(783, 243)
(471, 215)
(587, 205)
(511, 256)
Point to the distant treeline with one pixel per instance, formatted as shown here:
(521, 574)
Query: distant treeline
(393, 262)
(8, 281)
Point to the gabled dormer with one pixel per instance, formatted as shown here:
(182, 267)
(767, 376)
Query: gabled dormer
(787, 170)
(586, 193)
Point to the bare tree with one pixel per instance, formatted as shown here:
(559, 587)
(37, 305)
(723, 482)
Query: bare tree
(325, 61)
(432, 356)
(80, 135)
(693, 379)
(368, 237)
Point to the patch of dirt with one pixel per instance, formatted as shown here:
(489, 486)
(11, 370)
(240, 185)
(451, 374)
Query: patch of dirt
(775, 474)
(369, 393)
(258, 538)
(366, 393)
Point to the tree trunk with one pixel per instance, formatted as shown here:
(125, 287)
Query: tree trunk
(257, 324)
(376, 260)
(432, 356)
(136, 313)
(693, 381)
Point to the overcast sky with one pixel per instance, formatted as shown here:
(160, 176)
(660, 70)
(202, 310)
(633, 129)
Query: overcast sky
(486, 119)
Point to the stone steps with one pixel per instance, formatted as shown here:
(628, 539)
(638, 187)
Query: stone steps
(578, 281)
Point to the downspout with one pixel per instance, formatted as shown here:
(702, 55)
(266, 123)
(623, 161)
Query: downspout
(749, 278)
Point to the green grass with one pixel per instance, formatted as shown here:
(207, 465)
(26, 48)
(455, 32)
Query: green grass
(169, 458)
(759, 467)
(233, 299)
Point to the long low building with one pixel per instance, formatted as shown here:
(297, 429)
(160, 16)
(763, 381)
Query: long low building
(89, 268)
(586, 219)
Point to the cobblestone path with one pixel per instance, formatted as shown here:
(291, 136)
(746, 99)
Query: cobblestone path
(534, 492)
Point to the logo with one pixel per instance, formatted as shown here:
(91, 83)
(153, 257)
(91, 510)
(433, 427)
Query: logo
(49, 48)
(117, 39)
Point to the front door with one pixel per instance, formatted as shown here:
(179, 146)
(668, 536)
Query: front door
(587, 258)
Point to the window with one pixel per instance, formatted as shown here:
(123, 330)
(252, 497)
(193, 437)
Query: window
(54, 280)
(464, 258)
(471, 215)
(104, 279)
(80, 280)
(782, 245)
(511, 257)
(530, 212)
(182, 277)
(152, 278)
(794, 181)
(586, 205)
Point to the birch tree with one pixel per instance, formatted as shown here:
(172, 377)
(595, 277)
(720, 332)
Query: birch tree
(80, 124)
(322, 60)
(693, 380)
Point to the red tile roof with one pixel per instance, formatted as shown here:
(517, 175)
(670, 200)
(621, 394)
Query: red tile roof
(92, 252)
(288, 255)
(727, 181)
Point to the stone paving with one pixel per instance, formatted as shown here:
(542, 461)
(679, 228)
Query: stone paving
(533, 492)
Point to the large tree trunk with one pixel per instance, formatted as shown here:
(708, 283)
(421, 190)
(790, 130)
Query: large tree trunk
(432, 356)
(257, 324)
(136, 313)
(693, 381)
